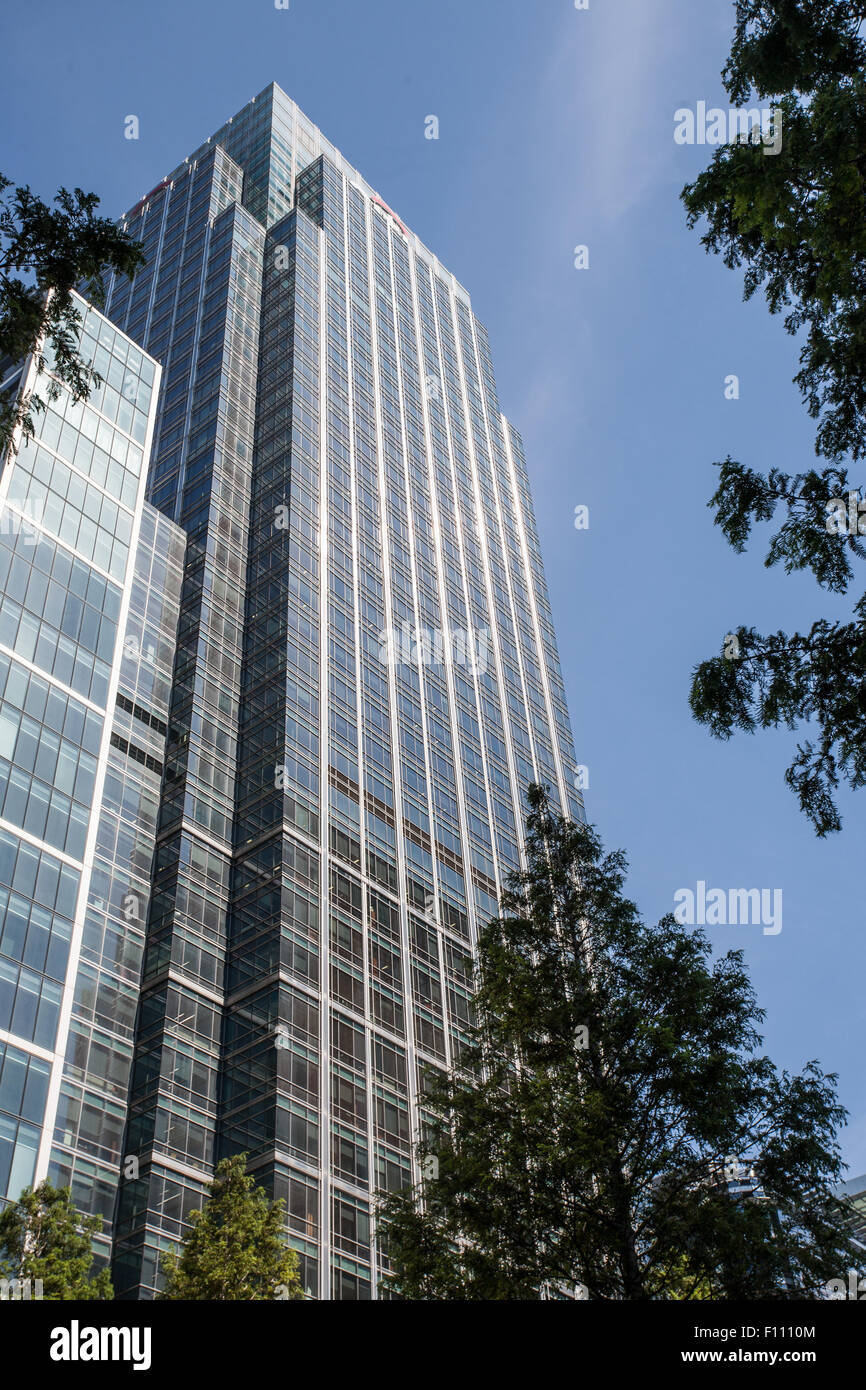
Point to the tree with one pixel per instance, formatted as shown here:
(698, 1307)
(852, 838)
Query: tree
(55, 250)
(235, 1249)
(613, 1072)
(43, 1236)
(796, 222)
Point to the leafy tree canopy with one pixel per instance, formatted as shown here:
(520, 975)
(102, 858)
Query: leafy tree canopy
(45, 253)
(585, 1142)
(796, 224)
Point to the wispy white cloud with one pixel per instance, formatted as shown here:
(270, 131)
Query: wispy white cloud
(601, 113)
(605, 87)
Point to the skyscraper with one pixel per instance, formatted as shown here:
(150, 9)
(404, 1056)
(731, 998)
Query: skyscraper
(366, 680)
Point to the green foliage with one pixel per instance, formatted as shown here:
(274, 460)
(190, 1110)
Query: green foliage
(787, 45)
(796, 223)
(795, 220)
(236, 1248)
(561, 1157)
(42, 1236)
(46, 253)
(778, 680)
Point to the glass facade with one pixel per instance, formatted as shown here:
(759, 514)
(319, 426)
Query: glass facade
(366, 682)
(87, 1154)
(853, 1193)
(331, 775)
(89, 572)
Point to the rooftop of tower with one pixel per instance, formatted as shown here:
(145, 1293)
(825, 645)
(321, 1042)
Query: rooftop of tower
(272, 141)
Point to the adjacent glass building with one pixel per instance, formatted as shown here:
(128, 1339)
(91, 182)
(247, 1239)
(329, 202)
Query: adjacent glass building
(854, 1194)
(89, 588)
(365, 681)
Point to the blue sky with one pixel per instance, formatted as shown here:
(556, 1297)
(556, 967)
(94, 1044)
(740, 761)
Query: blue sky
(556, 129)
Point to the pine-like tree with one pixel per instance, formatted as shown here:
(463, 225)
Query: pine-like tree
(235, 1249)
(43, 1237)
